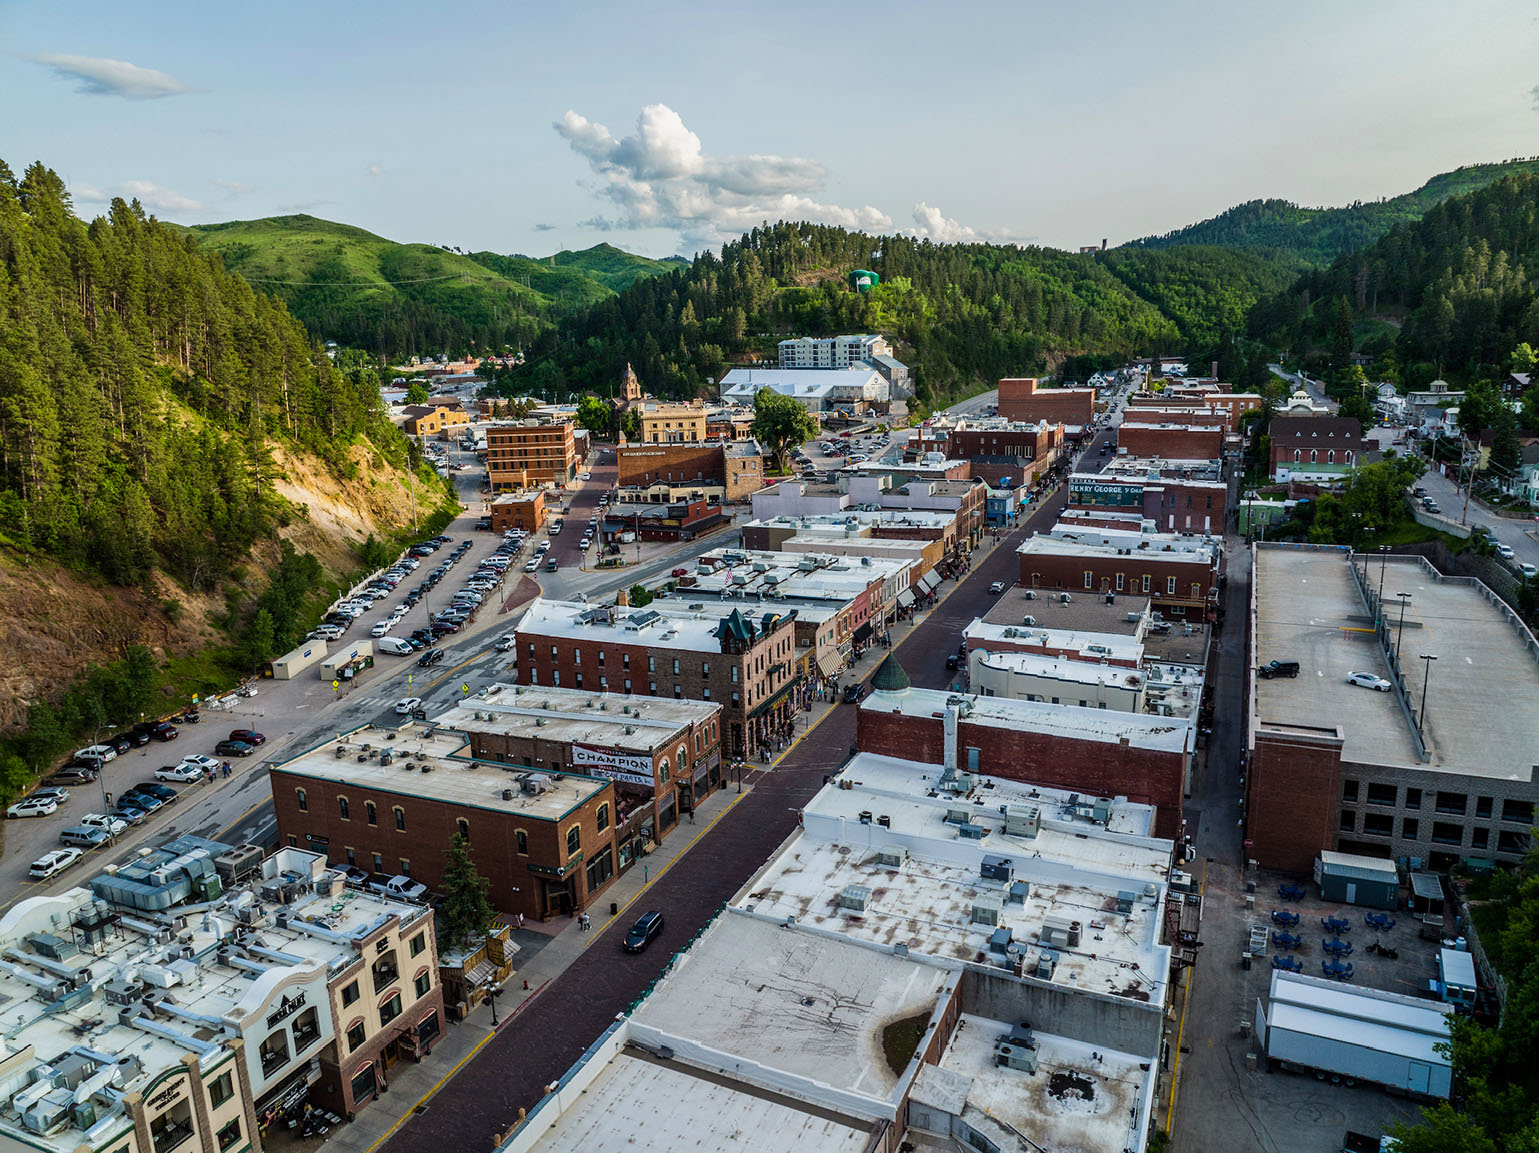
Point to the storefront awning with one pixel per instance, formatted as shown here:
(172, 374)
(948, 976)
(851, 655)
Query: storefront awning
(764, 706)
(863, 633)
(829, 664)
(905, 599)
(929, 581)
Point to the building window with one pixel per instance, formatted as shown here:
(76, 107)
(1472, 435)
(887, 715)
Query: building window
(1378, 824)
(464, 827)
(1349, 790)
(400, 818)
(422, 984)
(734, 674)
(705, 668)
(1347, 822)
(418, 944)
(625, 661)
(600, 869)
(385, 971)
(603, 817)
(1447, 833)
(352, 857)
(1412, 798)
(1089, 579)
(427, 1028)
(370, 813)
(521, 839)
(578, 681)
(1170, 586)
(574, 839)
(678, 692)
(356, 1036)
(1454, 804)
(1382, 794)
(1120, 577)
(274, 1052)
(1480, 838)
(342, 807)
(1145, 584)
(390, 1010)
(675, 666)
(1518, 812)
(304, 802)
(1410, 828)
(229, 1135)
(220, 1090)
(1516, 843)
(405, 867)
(349, 993)
(379, 863)
(172, 1127)
(307, 1030)
(601, 658)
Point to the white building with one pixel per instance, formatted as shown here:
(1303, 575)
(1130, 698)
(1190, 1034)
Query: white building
(817, 390)
(832, 351)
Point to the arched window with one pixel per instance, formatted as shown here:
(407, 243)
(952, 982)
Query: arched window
(682, 758)
(464, 827)
(663, 770)
(342, 807)
(400, 818)
(521, 839)
(370, 813)
(1314, 455)
(1347, 456)
(304, 802)
(1330, 456)
(1298, 455)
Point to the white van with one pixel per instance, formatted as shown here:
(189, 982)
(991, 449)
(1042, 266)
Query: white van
(395, 646)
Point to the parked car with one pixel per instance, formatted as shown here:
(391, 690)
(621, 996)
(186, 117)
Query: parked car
(250, 736)
(234, 749)
(505, 643)
(55, 794)
(185, 772)
(135, 738)
(107, 822)
(99, 752)
(134, 814)
(1279, 669)
(1528, 571)
(33, 807)
(141, 800)
(68, 777)
(202, 761)
(164, 793)
(50, 864)
(84, 837)
(1505, 551)
(401, 887)
(646, 929)
(1369, 681)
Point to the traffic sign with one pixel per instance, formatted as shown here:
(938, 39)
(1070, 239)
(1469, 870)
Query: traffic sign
(336, 684)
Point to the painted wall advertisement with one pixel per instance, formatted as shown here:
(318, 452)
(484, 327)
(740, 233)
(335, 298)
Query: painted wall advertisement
(625, 767)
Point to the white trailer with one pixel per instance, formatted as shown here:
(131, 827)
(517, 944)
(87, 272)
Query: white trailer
(1356, 1034)
(290, 664)
(349, 657)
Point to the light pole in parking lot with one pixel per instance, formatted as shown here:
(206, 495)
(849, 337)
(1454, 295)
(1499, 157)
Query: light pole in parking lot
(1421, 713)
(1405, 599)
(1383, 559)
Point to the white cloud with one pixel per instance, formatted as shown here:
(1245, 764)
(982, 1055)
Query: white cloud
(153, 197)
(928, 222)
(97, 76)
(662, 177)
(234, 187)
(1534, 96)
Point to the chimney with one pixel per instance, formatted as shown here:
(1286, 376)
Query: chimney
(623, 598)
(1103, 244)
(1214, 373)
(949, 725)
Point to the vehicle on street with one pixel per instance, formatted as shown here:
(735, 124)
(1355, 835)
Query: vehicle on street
(50, 864)
(381, 628)
(250, 736)
(1278, 669)
(1528, 571)
(33, 807)
(997, 587)
(585, 476)
(854, 692)
(1505, 551)
(405, 705)
(1369, 681)
(532, 564)
(234, 749)
(953, 662)
(679, 572)
(430, 658)
(133, 813)
(186, 773)
(552, 565)
(646, 929)
(505, 643)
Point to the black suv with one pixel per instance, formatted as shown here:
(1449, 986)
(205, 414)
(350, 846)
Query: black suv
(430, 658)
(1278, 669)
(647, 927)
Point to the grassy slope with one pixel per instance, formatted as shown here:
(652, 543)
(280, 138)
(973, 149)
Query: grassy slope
(1317, 235)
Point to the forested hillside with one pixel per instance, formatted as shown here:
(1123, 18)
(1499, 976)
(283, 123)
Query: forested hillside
(363, 291)
(963, 315)
(1319, 235)
(1457, 282)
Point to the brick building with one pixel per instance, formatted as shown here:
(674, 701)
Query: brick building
(389, 799)
(1172, 441)
(738, 657)
(663, 423)
(662, 756)
(736, 466)
(1174, 504)
(1180, 576)
(528, 454)
(1230, 406)
(1024, 399)
(1315, 448)
(518, 510)
(1087, 750)
(674, 518)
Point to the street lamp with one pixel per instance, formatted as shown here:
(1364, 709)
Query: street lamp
(491, 991)
(1383, 560)
(1421, 713)
(1405, 599)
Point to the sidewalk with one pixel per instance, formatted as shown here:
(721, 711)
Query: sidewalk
(553, 947)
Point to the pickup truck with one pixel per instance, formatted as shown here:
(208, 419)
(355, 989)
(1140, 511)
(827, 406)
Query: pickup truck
(403, 888)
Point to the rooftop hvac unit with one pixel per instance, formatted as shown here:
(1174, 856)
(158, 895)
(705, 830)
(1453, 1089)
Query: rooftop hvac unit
(1047, 961)
(1181, 882)
(1018, 892)
(995, 868)
(1101, 812)
(855, 898)
(972, 832)
(1028, 620)
(885, 821)
(958, 816)
(1060, 932)
(507, 794)
(1023, 820)
(1031, 594)
(1011, 1056)
(1065, 598)
(988, 909)
(891, 855)
(865, 816)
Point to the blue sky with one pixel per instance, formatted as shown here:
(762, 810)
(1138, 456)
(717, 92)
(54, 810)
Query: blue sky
(667, 127)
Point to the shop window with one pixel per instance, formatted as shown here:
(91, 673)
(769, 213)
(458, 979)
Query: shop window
(304, 801)
(307, 1030)
(1379, 824)
(1349, 791)
(356, 1036)
(220, 1090)
(370, 813)
(363, 1084)
(229, 1135)
(423, 984)
(574, 839)
(1447, 833)
(1382, 794)
(274, 1051)
(428, 1028)
(600, 869)
(390, 1010)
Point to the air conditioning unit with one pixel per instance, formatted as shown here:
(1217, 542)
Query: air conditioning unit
(891, 856)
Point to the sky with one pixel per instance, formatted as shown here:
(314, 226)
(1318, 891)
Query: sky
(666, 128)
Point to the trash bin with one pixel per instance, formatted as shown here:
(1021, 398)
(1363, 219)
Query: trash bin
(1250, 886)
(614, 908)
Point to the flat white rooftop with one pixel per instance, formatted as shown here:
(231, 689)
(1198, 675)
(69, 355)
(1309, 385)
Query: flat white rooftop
(417, 759)
(607, 720)
(804, 1003)
(639, 1103)
(1481, 692)
(1091, 646)
(662, 624)
(1081, 1098)
(828, 577)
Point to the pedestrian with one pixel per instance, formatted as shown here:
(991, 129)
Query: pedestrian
(691, 816)
(107, 797)
(520, 918)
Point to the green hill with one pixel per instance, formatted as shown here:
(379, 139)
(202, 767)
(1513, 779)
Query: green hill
(1318, 235)
(362, 290)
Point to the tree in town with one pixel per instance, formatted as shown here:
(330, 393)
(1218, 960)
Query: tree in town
(595, 416)
(780, 424)
(416, 393)
(1523, 357)
(1506, 451)
(466, 912)
(1479, 409)
(640, 596)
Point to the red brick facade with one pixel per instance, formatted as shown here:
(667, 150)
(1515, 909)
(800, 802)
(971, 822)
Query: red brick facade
(1026, 441)
(1146, 776)
(519, 511)
(529, 455)
(1179, 587)
(1292, 794)
(1023, 398)
(1173, 504)
(1172, 441)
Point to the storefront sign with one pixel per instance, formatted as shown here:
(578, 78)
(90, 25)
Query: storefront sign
(286, 1008)
(557, 870)
(1118, 495)
(165, 1097)
(615, 766)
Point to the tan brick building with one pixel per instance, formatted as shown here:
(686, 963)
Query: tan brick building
(432, 420)
(527, 455)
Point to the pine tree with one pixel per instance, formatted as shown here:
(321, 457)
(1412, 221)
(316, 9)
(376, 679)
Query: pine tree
(466, 912)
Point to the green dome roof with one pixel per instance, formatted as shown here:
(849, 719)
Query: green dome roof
(890, 677)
